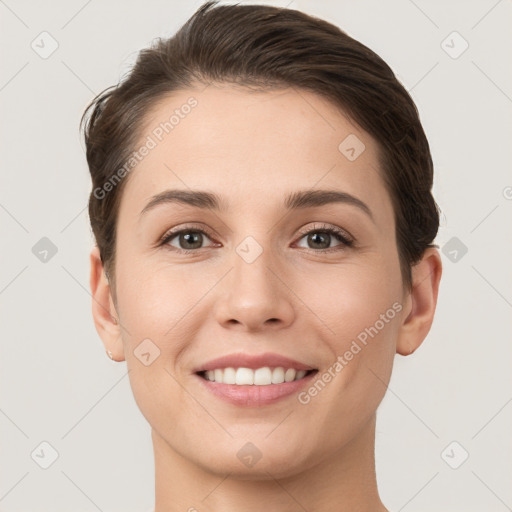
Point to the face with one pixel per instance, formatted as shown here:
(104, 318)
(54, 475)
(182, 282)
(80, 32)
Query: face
(277, 269)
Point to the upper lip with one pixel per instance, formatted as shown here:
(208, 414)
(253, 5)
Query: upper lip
(241, 360)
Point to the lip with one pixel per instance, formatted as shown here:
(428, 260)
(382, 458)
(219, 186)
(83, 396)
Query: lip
(253, 395)
(240, 360)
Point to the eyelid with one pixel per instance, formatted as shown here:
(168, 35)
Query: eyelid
(348, 238)
(345, 238)
(171, 233)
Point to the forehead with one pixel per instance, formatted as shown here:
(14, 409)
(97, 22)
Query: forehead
(252, 147)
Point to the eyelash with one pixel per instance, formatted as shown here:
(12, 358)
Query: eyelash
(338, 233)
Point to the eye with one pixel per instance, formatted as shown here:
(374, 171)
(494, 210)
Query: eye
(190, 239)
(320, 237)
(187, 240)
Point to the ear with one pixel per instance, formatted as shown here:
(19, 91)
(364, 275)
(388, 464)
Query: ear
(420, 303)
(103, 309)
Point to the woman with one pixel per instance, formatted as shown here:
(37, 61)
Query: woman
(264, 221)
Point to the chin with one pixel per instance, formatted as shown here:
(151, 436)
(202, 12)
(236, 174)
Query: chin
(251, 463)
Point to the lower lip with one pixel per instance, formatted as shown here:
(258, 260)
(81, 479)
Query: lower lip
(252, 395)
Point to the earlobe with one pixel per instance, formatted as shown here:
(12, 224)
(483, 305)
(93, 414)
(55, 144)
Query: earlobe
(426, 276)
(103, 309)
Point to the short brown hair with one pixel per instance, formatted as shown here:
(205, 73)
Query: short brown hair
(268, 47)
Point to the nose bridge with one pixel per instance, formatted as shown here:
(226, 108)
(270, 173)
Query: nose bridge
(251, 268)
(254, 296)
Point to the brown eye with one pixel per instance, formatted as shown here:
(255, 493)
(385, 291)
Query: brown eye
(186, 239)
(321, 238)
(190, 240)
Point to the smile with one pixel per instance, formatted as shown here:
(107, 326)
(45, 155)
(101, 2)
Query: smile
(264, 376)
(251, 388)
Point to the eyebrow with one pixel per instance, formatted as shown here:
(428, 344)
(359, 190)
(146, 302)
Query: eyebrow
(294, 201)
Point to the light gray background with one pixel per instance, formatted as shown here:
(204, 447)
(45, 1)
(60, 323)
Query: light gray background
(56, 382)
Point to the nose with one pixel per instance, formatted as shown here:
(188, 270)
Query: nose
(255, 295)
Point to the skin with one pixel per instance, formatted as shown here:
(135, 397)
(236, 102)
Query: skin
(295, 299)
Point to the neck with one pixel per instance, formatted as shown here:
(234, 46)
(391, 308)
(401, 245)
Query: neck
(345, 481)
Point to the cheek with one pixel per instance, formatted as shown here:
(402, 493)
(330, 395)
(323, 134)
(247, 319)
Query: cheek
(365, 318)
(353, 297)
(152, 300)
(155, 305)
(360, 308)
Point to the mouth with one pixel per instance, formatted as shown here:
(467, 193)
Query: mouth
(265, 376)
(247, 387)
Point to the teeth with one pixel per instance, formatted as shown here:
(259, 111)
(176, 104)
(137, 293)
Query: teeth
(289, 375)
(278, 375)
(260, 377)
(243, 376)
(217, 375)
(229, 376)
